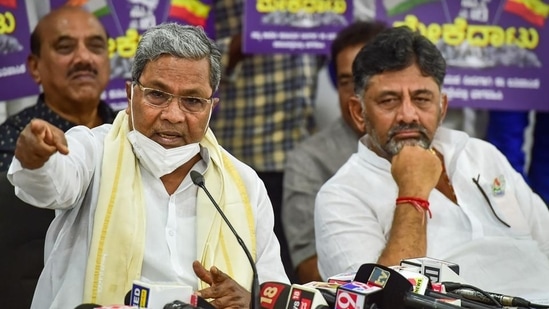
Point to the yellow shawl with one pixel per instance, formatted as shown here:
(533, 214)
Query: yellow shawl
(118, 239)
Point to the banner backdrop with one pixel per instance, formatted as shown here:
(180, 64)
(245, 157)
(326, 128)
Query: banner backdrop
(497, 51)
(124, 21)
(15, 81)
(298, 26)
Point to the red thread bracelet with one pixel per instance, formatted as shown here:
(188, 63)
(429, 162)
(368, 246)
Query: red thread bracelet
(419, 203)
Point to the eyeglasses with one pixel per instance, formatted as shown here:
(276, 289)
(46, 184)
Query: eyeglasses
(161, 99)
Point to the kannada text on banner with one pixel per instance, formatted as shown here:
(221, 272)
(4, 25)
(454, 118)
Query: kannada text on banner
(14, 49)
(298, 26)
(124, 21)
(497, 51)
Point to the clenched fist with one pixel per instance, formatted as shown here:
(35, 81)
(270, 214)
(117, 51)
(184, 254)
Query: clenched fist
(416, 171)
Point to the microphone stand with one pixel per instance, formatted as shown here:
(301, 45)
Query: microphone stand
(198, 180)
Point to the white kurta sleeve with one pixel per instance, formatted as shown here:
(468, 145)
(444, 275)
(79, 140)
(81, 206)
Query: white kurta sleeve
(63, 179)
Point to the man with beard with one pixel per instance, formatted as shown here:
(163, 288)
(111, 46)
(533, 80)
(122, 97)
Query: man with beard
(70, 60)
(416, 189)
(317, 158)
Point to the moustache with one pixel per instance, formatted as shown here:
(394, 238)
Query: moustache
(81, 68)
(407, 127)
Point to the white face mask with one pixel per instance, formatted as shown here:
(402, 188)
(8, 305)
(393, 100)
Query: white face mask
(157, 159)
(154, 157)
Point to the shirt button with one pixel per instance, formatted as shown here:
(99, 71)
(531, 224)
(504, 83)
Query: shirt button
(171, 233)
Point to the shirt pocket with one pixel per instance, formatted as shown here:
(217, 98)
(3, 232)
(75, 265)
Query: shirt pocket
(506, 206)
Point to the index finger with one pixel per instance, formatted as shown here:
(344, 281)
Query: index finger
(50, 135)
(38, 127)
(60, 142)
(202, 273)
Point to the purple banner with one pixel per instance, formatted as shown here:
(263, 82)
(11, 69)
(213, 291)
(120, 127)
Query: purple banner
(305, 26)
(124, 20)
(15, 80)
(496, 50)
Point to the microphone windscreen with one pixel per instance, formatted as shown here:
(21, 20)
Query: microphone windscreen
(127, 298)
(387, 279)
(197, 178)
(202, 303)
(329, 297)
(176, 304)
(273, 295)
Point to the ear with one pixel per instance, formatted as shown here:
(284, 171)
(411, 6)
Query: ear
(215, 101)
(32, 64)
(128, 95)
(357, 115)
(443, 107)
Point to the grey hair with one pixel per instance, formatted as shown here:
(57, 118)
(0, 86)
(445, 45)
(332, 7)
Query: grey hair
(182, 41)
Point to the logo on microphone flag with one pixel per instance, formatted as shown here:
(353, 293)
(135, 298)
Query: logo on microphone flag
(300, 299)
(140, 296)
(355, 295)
(379, 277)
(271, 292)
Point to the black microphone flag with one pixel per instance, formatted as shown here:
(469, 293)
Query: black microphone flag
(396, 289)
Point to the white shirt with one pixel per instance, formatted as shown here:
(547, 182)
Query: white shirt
(354, 212)
(170, 242)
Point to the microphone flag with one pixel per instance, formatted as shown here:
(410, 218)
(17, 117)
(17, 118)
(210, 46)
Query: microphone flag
(357, 295)
(305, 297)
(154, 295)
(274, 295)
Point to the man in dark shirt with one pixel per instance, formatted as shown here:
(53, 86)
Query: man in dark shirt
(69, 59)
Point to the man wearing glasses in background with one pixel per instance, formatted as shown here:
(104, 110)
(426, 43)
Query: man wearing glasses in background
(126, 206)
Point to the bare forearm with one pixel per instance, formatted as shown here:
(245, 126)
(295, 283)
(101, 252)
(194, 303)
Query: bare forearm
(307, 271)
(408, 236)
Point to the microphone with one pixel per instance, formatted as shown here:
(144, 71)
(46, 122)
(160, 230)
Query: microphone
(327, 289)
(356, 295)
(274, 295)
(436, 270)
(421, 285)
(305, 297)
(396, 290)
(198, 180)
(154, 295)
(176, 304)
(128, 298)
(197, 302)
(200, 302)
(96, 306)
(465, 303)
(342, 278)
(504, 300)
